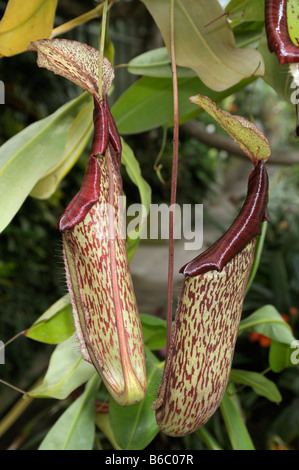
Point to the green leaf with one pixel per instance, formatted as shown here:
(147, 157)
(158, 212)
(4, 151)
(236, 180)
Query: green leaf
(268, 322)
(31, 154)
(103, 423)
(55, 325)
(148, 103)
(258, 382)
(208, 439)
(246, 10)
(77, 138)
(24, 22)
(66, 372)
(209, 50)
(154, 332)
(235, 426)
(281, 356)
(135, 427)
(156, 63)
(246, 134)
(75, 429)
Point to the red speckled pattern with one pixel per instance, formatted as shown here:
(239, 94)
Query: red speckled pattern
(207, 319)
(202, 346)
(87, 250)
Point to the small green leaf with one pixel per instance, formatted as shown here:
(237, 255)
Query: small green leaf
(246, 134)
(135, 427)
(156, 63)
(280, 356)
(31, 154)
(154, 331)
(268, 322)
(75, 429)
(258, 382)
(66, 372)
(55, 325)
(246, 10)
(235, 426)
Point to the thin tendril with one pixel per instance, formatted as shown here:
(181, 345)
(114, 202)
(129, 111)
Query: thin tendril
(173, 177)
(17, 389)
(157, 165)
(102, 46)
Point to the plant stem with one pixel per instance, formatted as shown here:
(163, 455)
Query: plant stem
(173, 176)
(102, 46)
(82, 19)
(17, 389)
(21, 333)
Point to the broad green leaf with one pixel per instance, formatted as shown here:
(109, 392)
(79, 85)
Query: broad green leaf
(276, 76)
(67, 371)
(246, 134)
(292, 20)
(208, 50)
(148, 103)
(55, 325)
(156, 63)
(268, 322)
(154, 331)
(32, 153)
(24, 22)
(258, 382)
(235, 426)
(246, 10)
(135, 427)
(281, 356)
(77, 139)
(75, 429)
